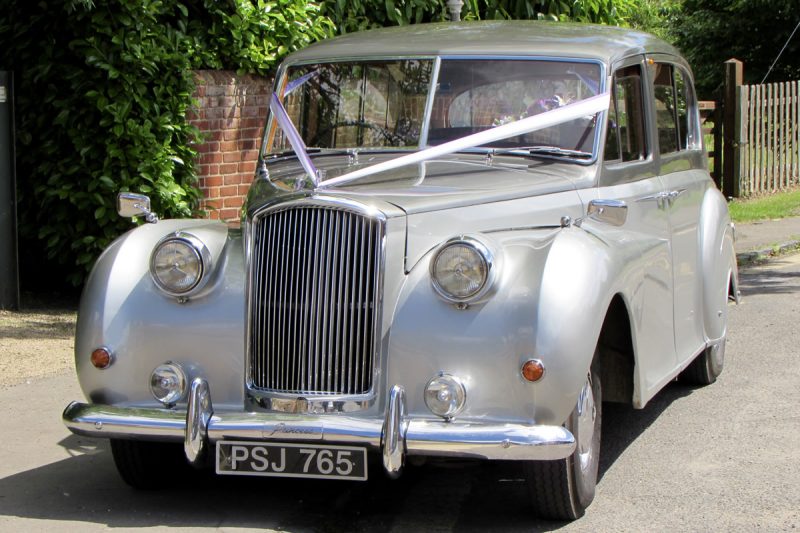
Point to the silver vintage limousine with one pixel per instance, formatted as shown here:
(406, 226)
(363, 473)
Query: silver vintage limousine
(461, 239)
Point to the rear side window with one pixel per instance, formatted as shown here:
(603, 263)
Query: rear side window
(675, 109)
(625, 140)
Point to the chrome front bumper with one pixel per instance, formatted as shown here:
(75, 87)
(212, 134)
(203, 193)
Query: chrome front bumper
(395, 436)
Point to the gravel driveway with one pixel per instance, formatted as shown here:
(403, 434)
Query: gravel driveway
(35, 343)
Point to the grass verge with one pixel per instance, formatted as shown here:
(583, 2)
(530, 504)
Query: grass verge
(778, 205)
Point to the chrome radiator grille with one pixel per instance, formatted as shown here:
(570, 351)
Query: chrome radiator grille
(313, 313)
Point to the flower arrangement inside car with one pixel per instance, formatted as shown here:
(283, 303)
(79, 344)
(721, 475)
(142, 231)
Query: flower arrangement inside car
(460, 241)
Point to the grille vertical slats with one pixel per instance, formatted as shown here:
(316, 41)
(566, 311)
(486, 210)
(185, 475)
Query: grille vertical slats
(315, 284)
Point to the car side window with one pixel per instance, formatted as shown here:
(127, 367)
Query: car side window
(675, 109)
(625, 139)
(688, 118)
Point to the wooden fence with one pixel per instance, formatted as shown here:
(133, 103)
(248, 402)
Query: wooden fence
(768, 137)
(760, 133)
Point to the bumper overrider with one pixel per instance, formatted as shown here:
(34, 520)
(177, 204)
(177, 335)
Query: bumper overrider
(395, 436)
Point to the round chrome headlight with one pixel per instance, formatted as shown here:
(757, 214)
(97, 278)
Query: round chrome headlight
(178, 263)
(461, 269)
(445, 395)
(168, 383)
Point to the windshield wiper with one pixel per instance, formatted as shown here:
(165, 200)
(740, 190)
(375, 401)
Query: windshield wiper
(544, 150)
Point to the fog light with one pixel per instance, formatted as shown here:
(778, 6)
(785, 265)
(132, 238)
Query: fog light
(168, 383)
(445, 396)
(533, 370)
(101, 358)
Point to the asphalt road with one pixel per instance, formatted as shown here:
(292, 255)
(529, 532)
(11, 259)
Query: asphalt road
(721, 458)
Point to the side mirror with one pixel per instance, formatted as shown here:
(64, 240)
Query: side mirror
(613, 212)
(135, 205)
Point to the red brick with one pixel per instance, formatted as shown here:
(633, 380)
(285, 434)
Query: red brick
(244, 188)
(247, 167)
(248, 155)
(217, 112)
(250, 111)
(234, 179)
(214, 135)
(252, 123)
(232, 157)
(248, 144)
(225, 192)
(229, 214)
(235, 201)
(206, 159)
(207, 147)
(212, 202)
(214, 181)
(228, 168)
(229, 146)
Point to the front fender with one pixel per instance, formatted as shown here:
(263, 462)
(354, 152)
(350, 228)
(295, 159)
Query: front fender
(122, 309)
(550, 302)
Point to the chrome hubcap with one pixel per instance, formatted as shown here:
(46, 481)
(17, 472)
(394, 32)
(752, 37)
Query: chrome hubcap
(587, 412)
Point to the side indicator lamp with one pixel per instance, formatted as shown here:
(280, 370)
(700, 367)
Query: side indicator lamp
(102, 358)
(533, 370)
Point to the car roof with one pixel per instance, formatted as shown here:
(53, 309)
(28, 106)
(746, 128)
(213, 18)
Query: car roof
(489, 38)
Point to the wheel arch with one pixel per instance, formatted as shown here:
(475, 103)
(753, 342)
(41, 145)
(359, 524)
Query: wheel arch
(616, 352)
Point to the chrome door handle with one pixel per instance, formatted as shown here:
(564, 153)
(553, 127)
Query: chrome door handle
(661, 199)
(671, 196)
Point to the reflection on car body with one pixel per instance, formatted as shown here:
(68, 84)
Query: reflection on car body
(449, 249)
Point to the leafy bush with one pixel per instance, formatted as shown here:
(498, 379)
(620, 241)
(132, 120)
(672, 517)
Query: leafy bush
(102, 94)
(712, 31)
(355, 15)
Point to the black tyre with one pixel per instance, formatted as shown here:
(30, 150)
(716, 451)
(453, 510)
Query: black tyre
(706, 367)
(147, 465)
(563, 489)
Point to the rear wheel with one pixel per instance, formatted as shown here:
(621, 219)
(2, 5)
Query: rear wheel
(149, 465)
(706, 367)
(563, 489)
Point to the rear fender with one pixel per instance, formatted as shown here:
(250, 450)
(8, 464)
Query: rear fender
(719, 269)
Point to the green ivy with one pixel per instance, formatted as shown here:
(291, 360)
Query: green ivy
(103, 90)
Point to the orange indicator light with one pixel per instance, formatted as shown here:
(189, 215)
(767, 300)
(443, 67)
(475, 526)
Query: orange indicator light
(101, 358)
(533, 370)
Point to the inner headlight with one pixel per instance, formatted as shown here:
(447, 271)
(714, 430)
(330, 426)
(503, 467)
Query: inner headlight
(461, 269)
(177, 264)
(168, 383)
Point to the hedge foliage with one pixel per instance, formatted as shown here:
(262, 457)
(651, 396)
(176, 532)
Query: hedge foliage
(102, 94)
(103, 88)
(355, 15)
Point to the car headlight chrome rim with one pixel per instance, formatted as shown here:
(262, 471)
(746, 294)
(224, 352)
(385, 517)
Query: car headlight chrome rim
(463, 270)
(178, 264)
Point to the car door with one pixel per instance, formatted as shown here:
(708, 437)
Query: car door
(685, 180)
(630, 174)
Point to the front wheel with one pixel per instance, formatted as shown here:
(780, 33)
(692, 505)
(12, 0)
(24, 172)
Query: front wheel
(563, 489)
(150, 465)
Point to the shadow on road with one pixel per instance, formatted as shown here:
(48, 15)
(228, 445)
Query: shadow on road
(771, 280)
(441, 496)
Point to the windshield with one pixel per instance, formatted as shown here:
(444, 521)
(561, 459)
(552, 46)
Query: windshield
(381, 104)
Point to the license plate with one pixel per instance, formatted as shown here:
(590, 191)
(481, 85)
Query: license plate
(236, 458)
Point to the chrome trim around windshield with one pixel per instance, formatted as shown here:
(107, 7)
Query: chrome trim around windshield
(317, 403)
(426, 117)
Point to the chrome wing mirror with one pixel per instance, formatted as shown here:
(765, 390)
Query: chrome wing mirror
(135, 205)
(613, 212)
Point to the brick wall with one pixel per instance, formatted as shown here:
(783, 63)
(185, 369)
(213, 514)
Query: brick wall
(230, 114)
